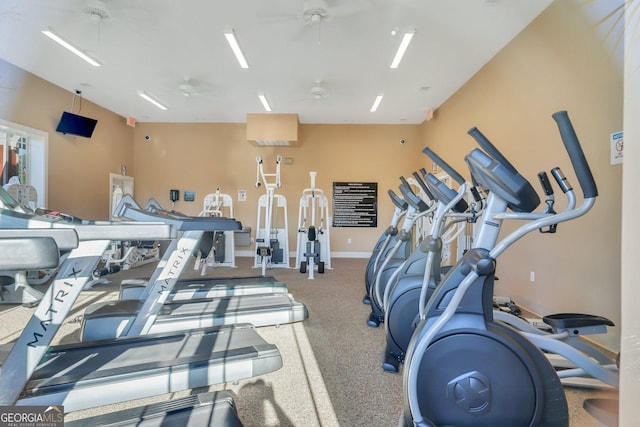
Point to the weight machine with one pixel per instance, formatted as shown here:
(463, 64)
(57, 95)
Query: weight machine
(313, 246)
(223, 250)
(272, 240)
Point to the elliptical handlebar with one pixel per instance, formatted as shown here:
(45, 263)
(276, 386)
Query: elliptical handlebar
(444, 165)
(422, 184)
(578, 160)
(412, 199)
(474, 189)
(561, 180)
(398, 201)
(490, 148)
(544, 182)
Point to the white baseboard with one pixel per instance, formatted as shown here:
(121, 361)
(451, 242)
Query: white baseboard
(250, 254)
(351, 254)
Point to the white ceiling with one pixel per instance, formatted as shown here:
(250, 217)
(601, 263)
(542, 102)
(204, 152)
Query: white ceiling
(153, 45)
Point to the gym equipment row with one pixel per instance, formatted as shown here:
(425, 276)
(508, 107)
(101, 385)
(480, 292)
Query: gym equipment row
(313, 251)
(152, 312)
(185, 289)
(108, 371)
(116, 369)
(466, 363)
(403, 308)
(415, 279)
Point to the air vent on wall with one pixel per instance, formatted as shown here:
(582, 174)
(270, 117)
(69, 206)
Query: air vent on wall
(268, 142)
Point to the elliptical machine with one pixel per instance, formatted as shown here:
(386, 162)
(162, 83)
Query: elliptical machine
(462, 368)
(381, 247)
(395, 245)
(417, 278)
(388, 268)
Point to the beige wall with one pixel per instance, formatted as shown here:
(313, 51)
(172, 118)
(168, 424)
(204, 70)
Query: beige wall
(203, 156)
(78, 168)
(557, 63)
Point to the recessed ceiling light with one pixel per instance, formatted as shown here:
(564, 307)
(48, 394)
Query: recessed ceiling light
(71, 47)
(235, 47)
(404, 44)
(376, 103)
(151, 99)
(265, 103)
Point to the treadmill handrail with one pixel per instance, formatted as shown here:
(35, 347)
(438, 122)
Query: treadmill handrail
(28, 253)
(65, 239)
(129, 212)
(38, 333)
(102, 230)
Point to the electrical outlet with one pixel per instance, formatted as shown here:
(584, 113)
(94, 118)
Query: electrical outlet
(349, 240)
(532, 276)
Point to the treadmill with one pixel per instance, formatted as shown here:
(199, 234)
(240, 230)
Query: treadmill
(185, 289)
(91, 374)
(208, 287)
(213, 409)
(153, 312)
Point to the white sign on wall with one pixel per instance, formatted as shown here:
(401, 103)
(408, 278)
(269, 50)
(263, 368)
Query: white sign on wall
(617, 148)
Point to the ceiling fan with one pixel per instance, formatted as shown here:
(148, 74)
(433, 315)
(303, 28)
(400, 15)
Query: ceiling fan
(89, 17)
(96, 10)
(114, 14)
(190, 88)
(318, 91)
(315, 13)
(186, 88)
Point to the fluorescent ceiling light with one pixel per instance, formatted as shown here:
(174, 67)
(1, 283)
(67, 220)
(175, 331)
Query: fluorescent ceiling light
(149, 98)
(406, 39)
(264, 101)
(235, 47)
(68, 45)
(374, 107)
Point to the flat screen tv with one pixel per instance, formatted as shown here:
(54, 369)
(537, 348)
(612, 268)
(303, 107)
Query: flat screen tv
(73, 124)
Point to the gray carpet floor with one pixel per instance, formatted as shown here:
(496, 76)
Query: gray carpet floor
(331, 374)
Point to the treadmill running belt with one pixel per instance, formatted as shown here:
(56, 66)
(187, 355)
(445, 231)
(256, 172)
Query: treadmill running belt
(205, 409)
(97, 373)
(258, 310)
(206, 287)
(225, 304)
